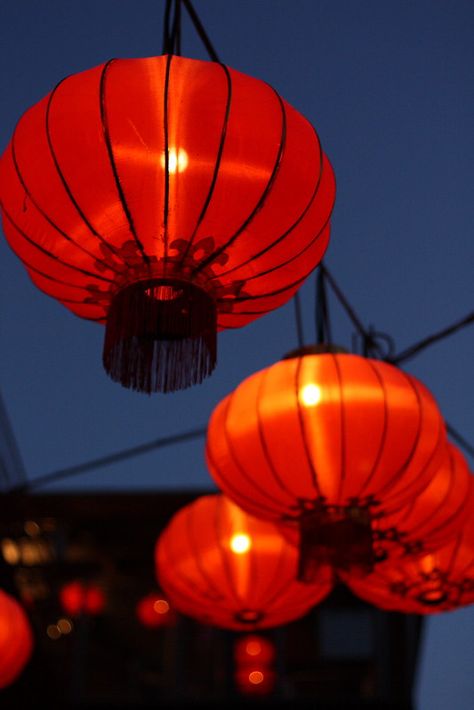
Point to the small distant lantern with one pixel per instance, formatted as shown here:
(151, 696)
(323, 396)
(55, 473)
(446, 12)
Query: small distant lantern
(167, 198)
(16, 639)
(253, 649)
(154, 611)
(223, 567)
(82, 599)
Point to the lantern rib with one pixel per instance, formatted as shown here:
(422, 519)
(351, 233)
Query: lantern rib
(63, 180)
(304, 436)
(268, 188)
(272, 588)
(263, 442)
(288, 231)
(217, 165)
(393, 479)
(230, 487)
(254, 297)
(48, 253)
(342, 419)
(167, 157)
(217, 521)
(383, 438)
(111, 157)
(251, 480)
(97, 259)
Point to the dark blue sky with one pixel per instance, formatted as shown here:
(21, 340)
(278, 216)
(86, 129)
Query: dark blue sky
(388, 85)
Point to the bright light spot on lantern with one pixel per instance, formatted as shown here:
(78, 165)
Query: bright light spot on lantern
(256, 677)
(310, 395)
(177, 160)
(240, 543)
(253, 648)
(161, 606)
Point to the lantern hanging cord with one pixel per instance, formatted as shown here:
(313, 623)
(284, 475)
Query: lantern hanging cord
(298, 320)
(426, 342)
(323, 324)
(107, 460)
(460, 439)
(172, 29)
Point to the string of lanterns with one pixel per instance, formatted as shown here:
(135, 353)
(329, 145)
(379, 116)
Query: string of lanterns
(171, 198)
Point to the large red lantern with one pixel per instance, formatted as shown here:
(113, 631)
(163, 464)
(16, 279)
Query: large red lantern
(328, 441)
(168, 198)
(16, 639)
(432, 517)
(224, 567)
(442, 580)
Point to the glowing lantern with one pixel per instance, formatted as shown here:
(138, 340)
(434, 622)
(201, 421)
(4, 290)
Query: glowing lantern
(439, 581)
(16, 639)
(253, 649)
(330, 442)
(78, 598)
(432, 517)
(208, 576)
(154, 611)
(255, 680)
(168, 198)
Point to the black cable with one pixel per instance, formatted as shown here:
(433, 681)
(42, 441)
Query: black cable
(323, 324)
(298, 320)
(460, 439)
(175, 36)
(422, 344)
(200, 30)
(166, 28)
(106, 460)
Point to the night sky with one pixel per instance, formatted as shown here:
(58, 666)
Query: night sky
(388, 86)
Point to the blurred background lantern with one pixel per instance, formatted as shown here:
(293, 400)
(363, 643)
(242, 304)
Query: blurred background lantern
(327, 441)
(16, 639)
(226, 568)
(168, 198)
(253, 649)
(82, 599)
(154, 611)
(442, 580)
(433, 517)
(253, 660)
(255, 680)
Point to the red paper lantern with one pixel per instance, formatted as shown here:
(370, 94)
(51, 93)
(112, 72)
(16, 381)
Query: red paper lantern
(439, 581)
(328, 441)
(154, 611)
(255, 680)
(168, 198)
(252, 649)
(432, 517)
(224, 567)
(78, 598)
(16, 639)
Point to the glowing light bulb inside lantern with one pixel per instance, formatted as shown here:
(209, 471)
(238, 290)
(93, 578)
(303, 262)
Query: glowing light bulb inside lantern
(177, 160)
(256, 677)
(310, 395)
(240, 543)
(161, 606)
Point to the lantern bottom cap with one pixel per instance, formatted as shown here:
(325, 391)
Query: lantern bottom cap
(161, 336)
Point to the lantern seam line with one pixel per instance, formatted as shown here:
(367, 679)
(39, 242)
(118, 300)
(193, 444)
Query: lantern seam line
(63, 180)
(111, 157)
(47, 253)
(48, 219)
(167, 159)
(383, 438)
(309, 459)
(343, 430)
(216, 166)
(289, 230)
(217, 522)
(217, 252)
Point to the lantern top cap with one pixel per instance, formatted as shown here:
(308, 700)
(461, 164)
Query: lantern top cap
(315, 350)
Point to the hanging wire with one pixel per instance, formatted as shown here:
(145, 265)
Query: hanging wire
(460, 439)
(426, 342)
(298, 320)
(323, 324)
(107, 460)
(166, 48)
(200, 30)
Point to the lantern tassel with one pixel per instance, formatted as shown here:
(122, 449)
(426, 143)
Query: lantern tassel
(161, 336)
(341, 537)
